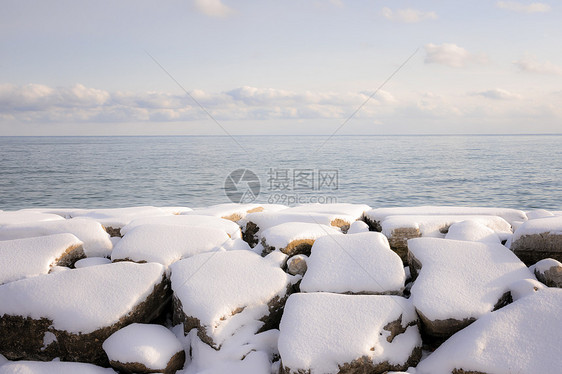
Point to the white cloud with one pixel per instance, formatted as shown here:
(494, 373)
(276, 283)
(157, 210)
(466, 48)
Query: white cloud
(451, 55)
(523, 8)
(213, 8)
(532, 65)
(408, 15)
(498, 94)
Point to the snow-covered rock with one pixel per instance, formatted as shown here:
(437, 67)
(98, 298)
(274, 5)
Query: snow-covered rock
(69, 314)
(549, 272)
(523, 337)
(398, 229)
(353, 210)
(91, 261)
(459, 281)
(375, 216)
(38, 367)
(23, 258)
(539, 213)
(191, 220)
(235, 212)
(167, 244)
(144, 348)
(333, 333)
(357, 227)
(472, 231)
(114, 219)
(26, 216)
(221, 292)
(254, 224)
(91, 233)
(296, 265)
(538, 239)
(294, 237)
(359, 264)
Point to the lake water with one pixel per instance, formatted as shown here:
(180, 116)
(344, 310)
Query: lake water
(101, 172)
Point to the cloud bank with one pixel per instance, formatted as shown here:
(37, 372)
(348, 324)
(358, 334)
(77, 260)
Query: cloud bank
(40, 103)
(213, 8)
(530, 64)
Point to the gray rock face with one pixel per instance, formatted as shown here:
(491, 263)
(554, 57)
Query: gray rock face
(296, 265)
(70, 314)
(535, 247)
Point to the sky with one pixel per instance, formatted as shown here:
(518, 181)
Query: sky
(311, 67)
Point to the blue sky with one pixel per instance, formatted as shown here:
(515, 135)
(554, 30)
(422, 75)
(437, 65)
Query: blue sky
(271, 67)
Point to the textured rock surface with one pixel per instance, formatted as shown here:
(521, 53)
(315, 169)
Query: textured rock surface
(549, 272)
(69, 314)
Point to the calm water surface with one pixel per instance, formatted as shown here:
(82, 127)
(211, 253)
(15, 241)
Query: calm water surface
(99, 172)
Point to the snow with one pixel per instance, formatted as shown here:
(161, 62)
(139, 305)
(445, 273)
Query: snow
(167, 244)
(430, 225)
(545, 265)
(524, 287)
(282, 235)
(22, 258)
(119, 217)
(91, 233)
(211, 286)
(358, 263)
(539, 213)
(241, 354)
(91, 261)
(82, 300)
(320, 331)
(37, 367)
(25, 216)
(227, 226)
(552, 225)
(461, 279)
(265, 220)
(147, 344)
(354, 210)
(523, 337)
(472, 231)
(509, 215)
(357, 227)
(235, 212)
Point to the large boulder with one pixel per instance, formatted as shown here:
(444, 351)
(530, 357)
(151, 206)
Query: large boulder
(218, 293)
(357, 264)
(26, 216)
(69, 314)
(334, 333)
(235, 212)
(167, 244)
(538, 239)
(23, 258)
(95, 239)
(294, 238)
(459, 281)
(144, 348)
(523, 337)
